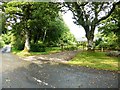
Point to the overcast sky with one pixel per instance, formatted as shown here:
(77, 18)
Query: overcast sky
(76, 30)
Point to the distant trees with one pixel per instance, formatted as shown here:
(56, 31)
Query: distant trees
(58, 33)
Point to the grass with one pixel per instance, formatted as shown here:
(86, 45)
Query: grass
(49, 50)
(98, 60)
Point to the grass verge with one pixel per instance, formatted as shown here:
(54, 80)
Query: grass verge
(98, 60)
(49, 50)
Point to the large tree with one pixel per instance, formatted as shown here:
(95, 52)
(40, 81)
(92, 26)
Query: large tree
(29, 13)
(89, 15)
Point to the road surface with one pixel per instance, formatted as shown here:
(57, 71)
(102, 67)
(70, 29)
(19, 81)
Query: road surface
(17, 73)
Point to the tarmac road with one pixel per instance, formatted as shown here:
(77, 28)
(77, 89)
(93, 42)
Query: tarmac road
(17, 73)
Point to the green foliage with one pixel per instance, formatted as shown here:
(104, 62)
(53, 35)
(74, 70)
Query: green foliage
(18, 37)
(111, 29)
(37, 47)
(71, 47)
(35, 18)
(59, 33)
(48, 50)
(107, 42)
(82, 45)
(1, 43)
(55, 32)
(38, 22)
(18, 44)
(7, 38)
(88, 15)
(68, 38)
(2, 23)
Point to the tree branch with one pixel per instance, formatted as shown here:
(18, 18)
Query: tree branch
(105, 17)
(100, 7)
(19, 14)
(83, 4)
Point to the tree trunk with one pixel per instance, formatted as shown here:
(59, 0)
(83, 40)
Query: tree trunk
(90, 45)
(44, 35)
(27, 42)
(90, 36)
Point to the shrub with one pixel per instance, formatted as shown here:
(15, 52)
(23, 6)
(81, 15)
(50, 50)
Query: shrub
(1, 42)
(18, 46)
(71, 48)
(37, 48)
(6, 38)
(17, 43)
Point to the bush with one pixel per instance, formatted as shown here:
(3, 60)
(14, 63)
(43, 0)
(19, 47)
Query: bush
(7, 38)
(17, 43)
(37, 48)
(18, 46)
(1, 43)
(71, 48)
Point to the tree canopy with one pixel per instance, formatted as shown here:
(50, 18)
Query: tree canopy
(34, 21)
(28, 13)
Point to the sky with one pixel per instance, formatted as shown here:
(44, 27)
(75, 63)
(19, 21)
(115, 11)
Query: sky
(77, 31)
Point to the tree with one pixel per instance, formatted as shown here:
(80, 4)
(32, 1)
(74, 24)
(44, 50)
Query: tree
(106, 41)
(29, 13)
(2, 23)
(112, 26)
(58, 32)
(88, 14)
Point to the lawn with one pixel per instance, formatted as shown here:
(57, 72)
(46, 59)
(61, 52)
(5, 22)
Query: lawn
(98, 60)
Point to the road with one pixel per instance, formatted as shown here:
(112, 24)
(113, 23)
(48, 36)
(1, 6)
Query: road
(17, 73)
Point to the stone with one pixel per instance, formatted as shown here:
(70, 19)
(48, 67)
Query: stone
(114, 53)
(6, 49)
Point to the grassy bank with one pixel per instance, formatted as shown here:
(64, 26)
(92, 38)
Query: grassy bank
(48, 50)
(98, 60)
